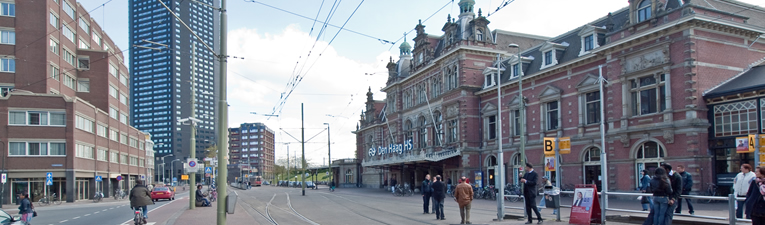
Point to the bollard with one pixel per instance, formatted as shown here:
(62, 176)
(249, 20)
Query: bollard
(731, 209)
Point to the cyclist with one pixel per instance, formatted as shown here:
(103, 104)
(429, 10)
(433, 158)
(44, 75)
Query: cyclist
(140, 197)
(332, 185)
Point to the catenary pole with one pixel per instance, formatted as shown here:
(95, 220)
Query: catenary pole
(193, 156)
(603, 155)
(499, 176)
(302, 143)
(223, 121)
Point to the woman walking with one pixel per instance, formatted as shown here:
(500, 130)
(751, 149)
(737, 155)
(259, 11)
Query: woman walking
(661, 190)
(25, 208)
(755, 203)
(645, 181)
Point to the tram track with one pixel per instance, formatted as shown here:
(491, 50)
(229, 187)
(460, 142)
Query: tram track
(274, 214)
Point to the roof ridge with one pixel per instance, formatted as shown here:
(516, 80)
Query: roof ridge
(752, 65)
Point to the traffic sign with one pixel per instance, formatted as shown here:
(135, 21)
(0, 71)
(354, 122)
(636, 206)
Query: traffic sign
(4, 177)
(175, 179)
(143, 177)
(98, 179)
(192, 163)
(48, 182)
(564, 145)
(184, 177)
(208, 169)
(119, 178)
(49, 176)
(549, 146)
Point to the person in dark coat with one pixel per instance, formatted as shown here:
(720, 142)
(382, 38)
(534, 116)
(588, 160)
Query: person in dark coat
(687, 185)
(677, 186)
(26, 209)
(661, 189)
(439, 194)
(200, 197)
(426, 193)
(530, 192)
(752, 195)
(140, 197)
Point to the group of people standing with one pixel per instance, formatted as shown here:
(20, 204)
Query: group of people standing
(435, 189)
(751, 186)
(666, 186)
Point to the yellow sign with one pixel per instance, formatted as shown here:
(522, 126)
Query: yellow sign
(184, 177)
(549, 146)
(564, 145)
(752, 142)
(762, 158)
(550, 163)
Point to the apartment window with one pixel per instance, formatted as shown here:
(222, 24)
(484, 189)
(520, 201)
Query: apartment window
(114, 157)
(548, 57)
(83, 151)
(551, 115)
(141, 162)
(133, 142)
(84, 25)
(83, 85)
(36, 148)
(68, 33)
(491, 127)
(8, 65)
(84, 124)
(113, 91)
(588, 43)
(123, 118)
(69, 81)
(123, 139)
(101, 129)
(124, 159)
(84, 44)
(737, 118)
(69, 57)
(68, 9)
(644, 10)
(54, 46)
(113, 113)
(592, 107)
(37, 118)
(133, 161)
(112, 70)
(8, 9)
(7, 37)
(54, 20)
(123, 99)
(96, 39)
(453, 135)
(101, 156)
(648, 95)
(123, 79)
(114, 135)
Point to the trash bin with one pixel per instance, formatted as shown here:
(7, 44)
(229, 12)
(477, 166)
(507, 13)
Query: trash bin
(231, 202)
(552, 197)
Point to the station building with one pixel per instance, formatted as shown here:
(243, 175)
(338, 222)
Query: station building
(657, 56)
(63, 97)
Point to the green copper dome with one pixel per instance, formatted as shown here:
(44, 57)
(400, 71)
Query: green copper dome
(405, 48)
(466, 5)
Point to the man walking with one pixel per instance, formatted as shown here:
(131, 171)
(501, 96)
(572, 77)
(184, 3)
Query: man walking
(530, 193)
(439, 193)
(426, 193)
(741, 187)
(463, 194)
(677, 185)
(432, 197)
(687, 185)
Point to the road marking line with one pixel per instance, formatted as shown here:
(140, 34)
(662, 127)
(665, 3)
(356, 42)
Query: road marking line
(63, 221)
(96, 212)
(76, 218)
(87, 214)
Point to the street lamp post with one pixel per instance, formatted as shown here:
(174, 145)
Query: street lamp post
(329, 154)
(500, 180)
(172, 168)
(163, 166)
(522, 110)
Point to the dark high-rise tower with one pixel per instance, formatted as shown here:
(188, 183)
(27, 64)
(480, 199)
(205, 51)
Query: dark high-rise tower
(161, 77)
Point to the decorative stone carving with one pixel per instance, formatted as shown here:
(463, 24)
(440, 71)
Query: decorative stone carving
(650, 59)
(669, 136)
(452, 111)
(625, 139)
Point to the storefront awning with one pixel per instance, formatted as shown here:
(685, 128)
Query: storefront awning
(432, 157)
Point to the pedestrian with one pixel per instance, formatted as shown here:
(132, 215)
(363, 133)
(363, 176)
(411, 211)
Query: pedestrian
(463, 195)
(426, 193)
(755, 204)
(26, 209)
(439, 193)
(448, 183)
(741, 187)
(200, 197)
(433, 198)
(542, 204)
(687, 185)
(530, 193)
(645, 181)
(662, 191)
(677, 186)
(140, 198)
(393, 183)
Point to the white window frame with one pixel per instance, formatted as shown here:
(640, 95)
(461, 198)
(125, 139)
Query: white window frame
(8, 65)
(553, 48)
(26, 143)
(593, 32)
(635, 90)
(7, 36)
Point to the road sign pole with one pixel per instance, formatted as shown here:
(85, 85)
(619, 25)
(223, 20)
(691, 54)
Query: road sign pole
(558, 173)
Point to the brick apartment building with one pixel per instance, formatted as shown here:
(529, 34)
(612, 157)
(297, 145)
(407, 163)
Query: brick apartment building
(251, 145)
(658, 57)
(64, 97)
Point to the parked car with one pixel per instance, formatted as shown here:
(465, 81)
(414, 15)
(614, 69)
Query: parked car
(310, 184)
(7, 219)
(265, 182)
(162, 193)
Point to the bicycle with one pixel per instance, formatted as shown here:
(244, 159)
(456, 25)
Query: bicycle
(119, 194)
(55, 199)
(98, 196)
(513, 193)
(711, 191)
(138, 219)
(450, 191)
(43, 201)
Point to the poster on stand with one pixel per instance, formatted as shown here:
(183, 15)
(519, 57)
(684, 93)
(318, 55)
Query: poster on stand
(585, 209)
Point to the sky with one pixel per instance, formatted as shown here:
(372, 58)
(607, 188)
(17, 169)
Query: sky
(342, 66)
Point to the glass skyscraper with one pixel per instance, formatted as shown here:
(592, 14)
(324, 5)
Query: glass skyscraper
(162, 75)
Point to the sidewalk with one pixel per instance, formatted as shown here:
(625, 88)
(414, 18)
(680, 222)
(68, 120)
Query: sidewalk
(208, 215)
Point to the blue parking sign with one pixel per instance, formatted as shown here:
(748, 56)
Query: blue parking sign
(98, 179)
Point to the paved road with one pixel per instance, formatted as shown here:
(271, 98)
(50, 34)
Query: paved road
(107, 212)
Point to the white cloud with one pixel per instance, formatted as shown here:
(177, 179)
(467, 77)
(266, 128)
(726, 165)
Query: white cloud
(334, 85)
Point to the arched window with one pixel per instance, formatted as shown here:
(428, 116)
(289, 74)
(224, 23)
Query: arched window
(648, 156)
(408, 130)
(370, 142)
(592, 166)
(422, 137)
(517, 167)
(644, 10)
(435, 87)
(491, 170)
(349, 176)
(438, 132)
(479, 35)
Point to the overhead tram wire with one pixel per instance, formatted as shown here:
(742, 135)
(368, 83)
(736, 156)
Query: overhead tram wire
(313, 25)
(331, 25)
(284, 100)
(332, 11)
(426, 20)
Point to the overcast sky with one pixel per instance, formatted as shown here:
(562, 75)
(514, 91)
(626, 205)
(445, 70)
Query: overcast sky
(275, 45)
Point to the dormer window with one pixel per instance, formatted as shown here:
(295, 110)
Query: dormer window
(589, 36)
(588, 43)
(490, 80)
(479, 35)
(548, 57)
(644, 10)
(551, 52)
(516, 70)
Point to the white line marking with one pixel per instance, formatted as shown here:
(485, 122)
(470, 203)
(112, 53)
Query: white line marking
(63, 221)
(76, 218)
(87, 214)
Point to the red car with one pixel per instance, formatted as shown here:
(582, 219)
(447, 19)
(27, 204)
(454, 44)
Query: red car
(162, 193)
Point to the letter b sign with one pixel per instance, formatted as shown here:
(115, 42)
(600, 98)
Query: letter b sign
(549, 146)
